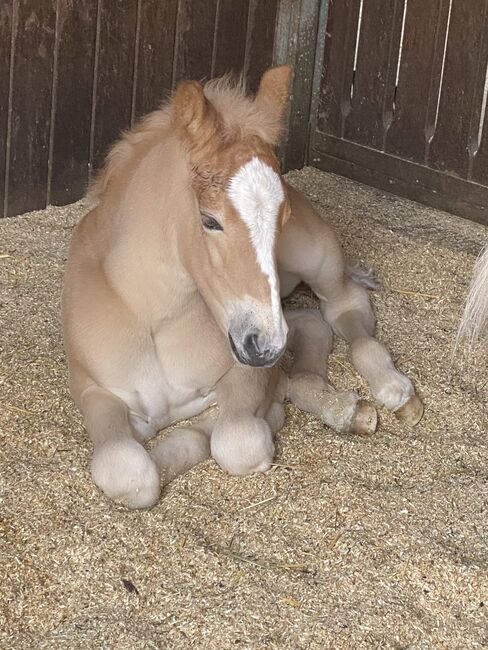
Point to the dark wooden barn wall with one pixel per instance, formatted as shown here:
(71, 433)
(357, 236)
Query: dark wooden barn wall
(389, 92)
(402, 99)
(74, 73)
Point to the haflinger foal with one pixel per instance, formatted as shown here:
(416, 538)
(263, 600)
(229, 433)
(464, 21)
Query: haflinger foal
(171, 299)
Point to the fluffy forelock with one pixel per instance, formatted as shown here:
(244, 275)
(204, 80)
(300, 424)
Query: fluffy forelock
(239, 115)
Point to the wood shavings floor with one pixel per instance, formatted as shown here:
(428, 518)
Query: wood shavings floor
(347, 542)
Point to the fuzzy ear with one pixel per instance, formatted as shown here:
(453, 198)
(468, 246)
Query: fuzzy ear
(190, 108)
(274, 91)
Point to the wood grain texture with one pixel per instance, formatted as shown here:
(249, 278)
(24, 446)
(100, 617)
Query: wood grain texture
(6, 16)
(478, 148)
(115, 74)
(419, 79)
(76, 26)
(194, 40)
(261, 27)
(337, 71)
(419, 133)
(230, 37)
(156, 46)
(462, 88)
(479, 172)
(295, 43)
(374, 80)
(403, 177)
(32, 70)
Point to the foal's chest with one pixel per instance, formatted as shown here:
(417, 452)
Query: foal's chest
(161, 400)
(174, 379)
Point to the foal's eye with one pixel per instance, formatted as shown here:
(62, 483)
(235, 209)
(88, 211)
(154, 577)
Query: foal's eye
(209, 223)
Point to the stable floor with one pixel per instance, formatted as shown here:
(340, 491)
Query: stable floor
(347, 543)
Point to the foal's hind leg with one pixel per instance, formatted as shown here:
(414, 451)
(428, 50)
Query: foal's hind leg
(351, 317)
(310, 339)
(309, 250)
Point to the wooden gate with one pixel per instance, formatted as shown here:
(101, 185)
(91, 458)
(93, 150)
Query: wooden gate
(402, 89)
(74, 73)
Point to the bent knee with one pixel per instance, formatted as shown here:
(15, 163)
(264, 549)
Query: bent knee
(243, 446)
(126, 473)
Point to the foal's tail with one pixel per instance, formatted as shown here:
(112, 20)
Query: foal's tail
(475, 316)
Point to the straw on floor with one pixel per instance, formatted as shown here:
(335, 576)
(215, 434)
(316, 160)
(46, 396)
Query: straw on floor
(347, 543)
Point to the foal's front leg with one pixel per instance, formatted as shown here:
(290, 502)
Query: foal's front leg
(121, 467)
(242, 439)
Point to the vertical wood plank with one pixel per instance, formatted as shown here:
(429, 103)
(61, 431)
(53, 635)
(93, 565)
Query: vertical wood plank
(156, 47)
(194, 40)
(230, 37)
(478, 148)
(76, 25)
(115, 72)
(480, 162)
(261, 28)
(295, 44)
(334, 102)
(5, 45)
(31, 105)
(374, 81)
(464, 76)
(419, 79)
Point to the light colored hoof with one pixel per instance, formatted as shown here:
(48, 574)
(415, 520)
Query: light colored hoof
(411, 412)
(366, 419)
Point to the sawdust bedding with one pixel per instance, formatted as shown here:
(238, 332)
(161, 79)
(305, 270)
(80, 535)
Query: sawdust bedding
(347, 542)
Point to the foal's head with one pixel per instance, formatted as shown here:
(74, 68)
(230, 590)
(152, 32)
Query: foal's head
(239, 208)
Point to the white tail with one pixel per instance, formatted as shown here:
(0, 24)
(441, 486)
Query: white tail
(475, 317)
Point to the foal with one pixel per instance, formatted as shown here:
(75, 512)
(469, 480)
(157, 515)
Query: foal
(171, 299)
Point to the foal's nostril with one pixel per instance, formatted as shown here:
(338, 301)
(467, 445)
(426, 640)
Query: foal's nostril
(254, 350)
(251, 346)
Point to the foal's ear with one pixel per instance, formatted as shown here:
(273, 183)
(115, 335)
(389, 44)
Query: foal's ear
(274, 91)
(190, 107)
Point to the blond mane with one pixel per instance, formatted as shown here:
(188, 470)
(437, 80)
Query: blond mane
(240, 117)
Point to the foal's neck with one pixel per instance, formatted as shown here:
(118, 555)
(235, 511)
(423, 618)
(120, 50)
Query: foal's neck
(151, 229)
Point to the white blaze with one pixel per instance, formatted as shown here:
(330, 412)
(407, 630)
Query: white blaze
(256, 193)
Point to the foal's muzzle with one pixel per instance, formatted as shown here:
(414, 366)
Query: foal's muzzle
(255, 350)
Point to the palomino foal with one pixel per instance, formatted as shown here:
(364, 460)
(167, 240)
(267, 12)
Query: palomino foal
(171, 299)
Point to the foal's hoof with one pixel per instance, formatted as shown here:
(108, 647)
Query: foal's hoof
(366, 419)
(411, 412)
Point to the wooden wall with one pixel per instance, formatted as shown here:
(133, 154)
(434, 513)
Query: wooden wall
(402, 99)
(74, 73)
(392, 93)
